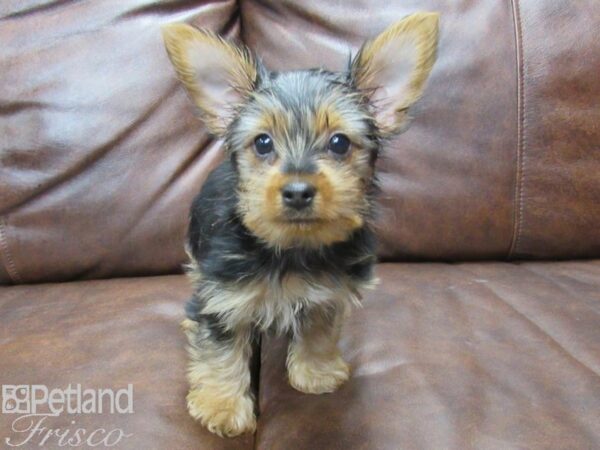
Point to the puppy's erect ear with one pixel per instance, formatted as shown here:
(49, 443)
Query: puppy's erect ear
(217, 74)
(392, 68)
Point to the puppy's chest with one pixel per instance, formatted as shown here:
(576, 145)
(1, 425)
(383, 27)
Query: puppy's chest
(280, 305)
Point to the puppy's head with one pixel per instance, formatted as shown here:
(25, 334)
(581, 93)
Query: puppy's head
(304, 143)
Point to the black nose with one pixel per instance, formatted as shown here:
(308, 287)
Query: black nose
(298, 195)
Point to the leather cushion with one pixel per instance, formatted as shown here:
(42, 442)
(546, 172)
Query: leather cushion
(101, 152)
(106, 334)
(454, 356)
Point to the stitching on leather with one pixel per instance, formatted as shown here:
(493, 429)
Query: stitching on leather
(5, 254)
(520, 170)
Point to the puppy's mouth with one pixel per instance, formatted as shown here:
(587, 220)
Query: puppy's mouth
(305, 217)
(301, 220)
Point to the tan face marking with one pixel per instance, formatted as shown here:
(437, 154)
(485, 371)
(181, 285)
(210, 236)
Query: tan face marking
(336, 212)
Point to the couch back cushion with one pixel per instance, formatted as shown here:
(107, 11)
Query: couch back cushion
(101, 153)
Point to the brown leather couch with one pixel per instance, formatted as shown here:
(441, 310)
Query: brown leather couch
(485, 330)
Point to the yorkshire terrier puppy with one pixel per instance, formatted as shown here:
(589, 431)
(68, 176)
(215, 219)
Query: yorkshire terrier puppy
(280, 237)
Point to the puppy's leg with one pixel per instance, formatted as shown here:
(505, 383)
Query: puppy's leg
(219, 377)
(314, 362)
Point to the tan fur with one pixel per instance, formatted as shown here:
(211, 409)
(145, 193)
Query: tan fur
(338, 206)
(219, 378)
(328, 119)
(192, 270)
(181, 41)
(420, 31)
(274, 122)
(314, 362)
(274, 304)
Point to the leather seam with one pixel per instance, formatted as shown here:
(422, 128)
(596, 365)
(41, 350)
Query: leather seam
(5, 254)
(518, 198)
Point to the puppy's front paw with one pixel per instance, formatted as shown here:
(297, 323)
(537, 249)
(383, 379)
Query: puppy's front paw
(316, 376)
(226, 417)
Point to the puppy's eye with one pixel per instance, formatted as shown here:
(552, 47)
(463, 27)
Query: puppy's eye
(339, 144)
(263, 144)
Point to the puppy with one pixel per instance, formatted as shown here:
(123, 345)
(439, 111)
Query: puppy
(280, 237)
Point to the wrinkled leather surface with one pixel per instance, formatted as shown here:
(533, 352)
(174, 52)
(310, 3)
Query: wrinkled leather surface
(106, 334)
(455, 356)
(558, 196)
(484, 356)
(101, 154)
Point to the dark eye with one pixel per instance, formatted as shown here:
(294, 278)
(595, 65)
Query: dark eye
(339, 144)
(263, 144)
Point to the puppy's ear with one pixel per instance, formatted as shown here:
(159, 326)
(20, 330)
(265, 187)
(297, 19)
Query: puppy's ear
(218, 75)
(392, 68)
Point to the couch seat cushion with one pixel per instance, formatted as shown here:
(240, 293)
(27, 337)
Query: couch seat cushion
(480, 355)
(105, 334)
